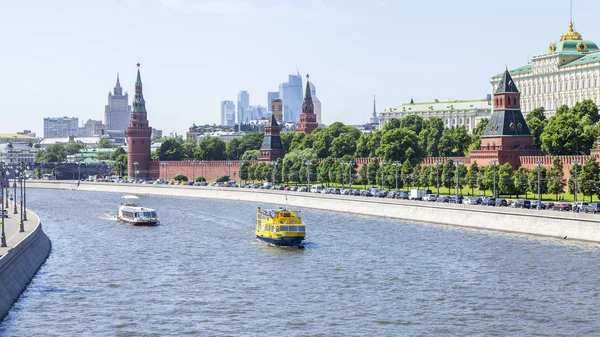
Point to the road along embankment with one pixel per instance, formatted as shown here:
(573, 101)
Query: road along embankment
(22, 258)
(575, 226)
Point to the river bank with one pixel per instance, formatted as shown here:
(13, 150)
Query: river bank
(580, 226)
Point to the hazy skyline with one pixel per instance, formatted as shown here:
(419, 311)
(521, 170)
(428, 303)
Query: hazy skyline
(61, 58)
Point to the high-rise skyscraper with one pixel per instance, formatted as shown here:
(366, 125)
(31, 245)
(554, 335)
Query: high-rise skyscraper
(138, 135)
(271, 95)
(116, 113)
(256, 112)
(277, 109)
(291, 94)
(316, 102)
(243, 103)
(227, 113)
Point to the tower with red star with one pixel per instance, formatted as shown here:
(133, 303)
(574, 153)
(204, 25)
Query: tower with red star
(138, 135)
(308, 119)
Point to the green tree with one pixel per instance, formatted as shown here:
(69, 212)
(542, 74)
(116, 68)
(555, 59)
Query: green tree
(251, 155)
(472, 175)
(372, 170)
(400, 145)
(222, 179)
(533, 180)
(486, 179)
(478, 132)
(448, 172)
(323, 171)
(74, 147)
(506, 185)
(588, 179)
(120, 165)
(343, 145)
(54, 153)
(576, 167)
(180, 177)
(200, 179)
(171, 150)
(462, 172)
(538, 113)
(454, 142)
(244, 170)
(212, 148)
(116, 153)
(362, 146)
(286, 140)
(571, 131)
(556, 177)
(521, 181)
(234, 149)
(407, 171)
(424, 176)
(412, 122)
(536, 127)
(363, 177)
(105, 143)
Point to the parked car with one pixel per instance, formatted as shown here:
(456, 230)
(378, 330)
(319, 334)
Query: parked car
(472, 201)
(430, 197)
(365, 193)
(562, 206)
(488, 202)
(548, 205)
(594, 207)
(402, 195)
(534, 205)
(5, 213)
(443, 198)
(335, 191)
(382, 194)
(356, 192)
(521, 203)
(579, 206)
(502, 202)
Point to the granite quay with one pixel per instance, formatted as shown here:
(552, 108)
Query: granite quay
(564, 225)
(25, 252)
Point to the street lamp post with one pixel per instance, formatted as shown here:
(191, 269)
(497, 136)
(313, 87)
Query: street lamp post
(458, 162)
(575, 163)
(396, 163)
(15, 172)
(3, 175)
(308, 165)
(437, 173)
(351, 164)
(21, 224)
(136, 171)
(539, 166)
(382, 169)
(494, 162)
(273, 163)
(79, 171)
(27, 175)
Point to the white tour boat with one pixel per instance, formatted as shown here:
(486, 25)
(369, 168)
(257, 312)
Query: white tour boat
(132, 213)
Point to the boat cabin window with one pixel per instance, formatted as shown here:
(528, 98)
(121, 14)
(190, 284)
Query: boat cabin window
(285, 215)
(300, 228)
(292, 229)
(136, 215)
(284, 228)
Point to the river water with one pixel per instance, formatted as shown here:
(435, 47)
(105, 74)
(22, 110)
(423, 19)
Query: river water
(203, 273)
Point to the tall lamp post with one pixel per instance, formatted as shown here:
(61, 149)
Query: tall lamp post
(15, 173)
(539, 166)
(22, 178)
(79, 171)
(494, 162)
(308, 165)
(396, 163)
(136, 171)
(382, 169)
(3, 174)
(458, 162)
(351, 164)
(27, 175)
(575, 191)
(437, 173)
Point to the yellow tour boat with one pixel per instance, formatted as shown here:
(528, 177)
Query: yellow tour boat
(280, 227)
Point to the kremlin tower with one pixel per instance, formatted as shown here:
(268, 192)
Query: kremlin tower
(272, 147)
(138, 135)
(308, 119)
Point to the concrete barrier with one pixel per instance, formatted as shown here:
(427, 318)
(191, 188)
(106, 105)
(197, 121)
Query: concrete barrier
(576, 226)
(21, 259)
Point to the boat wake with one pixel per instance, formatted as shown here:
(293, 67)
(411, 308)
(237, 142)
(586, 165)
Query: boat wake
(111, 217)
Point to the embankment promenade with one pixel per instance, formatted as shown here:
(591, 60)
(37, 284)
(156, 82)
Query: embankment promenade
(22, 258)
(573, 226)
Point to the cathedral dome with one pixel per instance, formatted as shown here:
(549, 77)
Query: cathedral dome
(572, 42)
(571, 34)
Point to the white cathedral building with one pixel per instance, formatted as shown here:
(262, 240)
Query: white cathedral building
(566, 73)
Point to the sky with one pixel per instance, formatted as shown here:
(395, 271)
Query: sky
(60, 58)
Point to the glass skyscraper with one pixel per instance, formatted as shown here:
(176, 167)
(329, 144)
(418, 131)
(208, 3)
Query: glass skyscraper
(291, 94)
(243, 103)
(227, 113)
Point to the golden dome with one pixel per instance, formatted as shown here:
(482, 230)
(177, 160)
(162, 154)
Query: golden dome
(571, 34)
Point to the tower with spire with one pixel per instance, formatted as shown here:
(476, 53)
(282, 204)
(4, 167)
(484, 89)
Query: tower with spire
(272, 147)
(506, 136)
(116, 113)
(308, 119)
(374, 120)
(139, 134)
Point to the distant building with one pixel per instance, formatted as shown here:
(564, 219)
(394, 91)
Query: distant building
(374, 120)
(291, 94)
(243, 104)
(116, 113)
(257, 112)
(271, 95)
(277, 109)
(316, 102)
(139, 133)
(17, 138)
(17, 153)
(91, 128)
(453, 113)
(565, 73)
(27, 133)
(60, 127)
(90, 142)
(195, 132)
(227, 113)
(156, 133)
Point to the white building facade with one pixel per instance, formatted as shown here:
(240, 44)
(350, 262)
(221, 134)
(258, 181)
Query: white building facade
(566, 73)
(452, 113)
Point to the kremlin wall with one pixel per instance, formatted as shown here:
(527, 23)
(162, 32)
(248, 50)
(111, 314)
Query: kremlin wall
(507, 139)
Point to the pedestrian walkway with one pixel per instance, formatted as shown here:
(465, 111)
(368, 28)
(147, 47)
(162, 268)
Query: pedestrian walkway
(12, 226)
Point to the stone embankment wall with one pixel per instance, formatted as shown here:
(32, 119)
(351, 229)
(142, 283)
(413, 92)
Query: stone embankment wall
(20, 262)
(580, 226)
